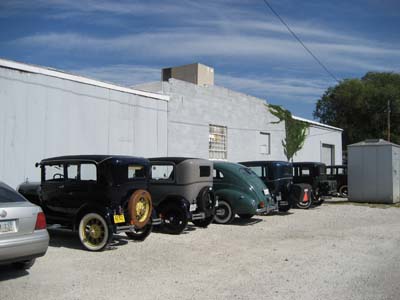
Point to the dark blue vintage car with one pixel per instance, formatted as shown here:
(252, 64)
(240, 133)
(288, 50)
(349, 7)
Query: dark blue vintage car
(96, 195)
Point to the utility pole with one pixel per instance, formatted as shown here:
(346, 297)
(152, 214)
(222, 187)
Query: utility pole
(388, 119)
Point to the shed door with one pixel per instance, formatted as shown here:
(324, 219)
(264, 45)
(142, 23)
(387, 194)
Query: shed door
(327, 155)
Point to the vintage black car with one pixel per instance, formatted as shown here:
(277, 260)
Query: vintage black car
(314, 174)
(278, 176)
(96, 195)
(182, 191)
(338, 173)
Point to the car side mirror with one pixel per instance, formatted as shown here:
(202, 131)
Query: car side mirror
(37, 165)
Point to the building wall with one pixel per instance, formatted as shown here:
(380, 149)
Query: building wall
(193, 108)
(43, 116)
(316, 137)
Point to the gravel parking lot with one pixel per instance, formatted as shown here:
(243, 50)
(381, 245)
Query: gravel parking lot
(336, 251)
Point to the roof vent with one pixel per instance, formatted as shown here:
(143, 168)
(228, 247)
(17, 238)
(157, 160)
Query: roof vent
(195, 73)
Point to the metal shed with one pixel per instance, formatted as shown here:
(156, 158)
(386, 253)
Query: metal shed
(374, 172)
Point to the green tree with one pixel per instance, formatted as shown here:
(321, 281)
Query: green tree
(296, 131)
(359, 106)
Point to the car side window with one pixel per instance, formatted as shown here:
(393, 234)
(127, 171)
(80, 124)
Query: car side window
(162, 172)
(217, 174)
(72, 171)
(88, 172)
(54, 172)
(258, 170)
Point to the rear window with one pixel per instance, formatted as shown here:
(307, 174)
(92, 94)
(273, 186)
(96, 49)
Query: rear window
(7, 196)
(205, 171)
(281, 171)
(126, 173)
(247, 171)
(136, 171)
(162, 172)
(258, 170)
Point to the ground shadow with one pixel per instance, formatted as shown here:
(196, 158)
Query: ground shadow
(64, 238)
(280, 213)
(9, 272)
(371, 205)
(188, 229)
(245, 222)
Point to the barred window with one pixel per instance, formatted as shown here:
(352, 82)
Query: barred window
(217, 142)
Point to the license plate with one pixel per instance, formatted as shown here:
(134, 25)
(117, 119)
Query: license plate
(266, 192)
(193, 207)
(119, 219)
(7, 226)
(283, 203)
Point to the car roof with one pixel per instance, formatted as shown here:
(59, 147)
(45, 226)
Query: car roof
(96, 158)
(175, 160)
(228, 165)
(304, 163)
(337, 166)
(264, 162)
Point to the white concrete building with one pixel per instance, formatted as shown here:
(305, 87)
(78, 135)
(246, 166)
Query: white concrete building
(45, 112)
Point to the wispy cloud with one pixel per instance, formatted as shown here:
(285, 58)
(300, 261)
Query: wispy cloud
(125, 75)
(270, 88)
(190, 43)
(266, 87)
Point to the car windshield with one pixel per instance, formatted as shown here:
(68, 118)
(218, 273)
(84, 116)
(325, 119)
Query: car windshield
(8, 195)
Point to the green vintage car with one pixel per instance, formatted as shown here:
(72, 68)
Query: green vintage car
(239, 191)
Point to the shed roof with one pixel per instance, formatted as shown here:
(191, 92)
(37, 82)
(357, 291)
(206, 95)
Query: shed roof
(373, 142)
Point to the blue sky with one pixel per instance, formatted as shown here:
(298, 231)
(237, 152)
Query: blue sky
(128, 42)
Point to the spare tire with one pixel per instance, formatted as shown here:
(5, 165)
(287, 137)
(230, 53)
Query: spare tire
(206, 201)
(300, 195)
(140, 208)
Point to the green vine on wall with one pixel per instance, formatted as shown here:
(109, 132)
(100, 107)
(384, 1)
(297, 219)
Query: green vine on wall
(296, 131)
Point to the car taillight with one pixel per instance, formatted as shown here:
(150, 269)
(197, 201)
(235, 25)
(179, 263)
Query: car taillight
(40, 221)
(261, 205)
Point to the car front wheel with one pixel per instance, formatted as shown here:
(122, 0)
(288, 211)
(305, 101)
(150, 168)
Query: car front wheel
(94, 233)
(224, 213)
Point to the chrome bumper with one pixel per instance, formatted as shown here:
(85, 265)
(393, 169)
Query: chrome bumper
(261, 210)
(198, 216)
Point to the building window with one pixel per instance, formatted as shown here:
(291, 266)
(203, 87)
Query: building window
(217, 142)
(264, 142)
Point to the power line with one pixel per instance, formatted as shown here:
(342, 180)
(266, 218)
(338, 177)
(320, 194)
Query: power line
(301, 42)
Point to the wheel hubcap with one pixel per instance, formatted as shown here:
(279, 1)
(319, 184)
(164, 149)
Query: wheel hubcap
(142, 209)
(94, 232)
